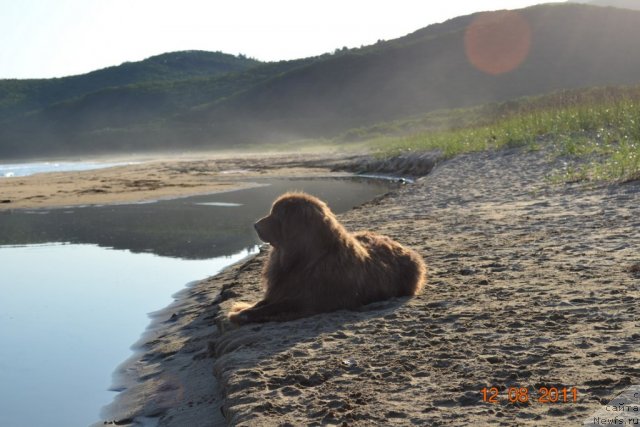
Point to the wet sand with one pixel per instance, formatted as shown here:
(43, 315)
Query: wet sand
(154, 180)
(530, 286)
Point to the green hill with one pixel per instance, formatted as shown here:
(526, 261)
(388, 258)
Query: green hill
(20, 96)
(572, 46)
(623, 4)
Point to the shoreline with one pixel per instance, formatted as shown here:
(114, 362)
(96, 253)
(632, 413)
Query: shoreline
(155, 180)
(164, 374)
(523, 289)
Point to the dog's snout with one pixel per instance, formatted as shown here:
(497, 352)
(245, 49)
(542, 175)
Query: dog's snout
(263, 228)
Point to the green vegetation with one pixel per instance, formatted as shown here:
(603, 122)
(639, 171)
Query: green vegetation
(207, 100)
(20, 96)
(596, 130)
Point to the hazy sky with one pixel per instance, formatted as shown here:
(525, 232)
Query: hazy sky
(53, 38)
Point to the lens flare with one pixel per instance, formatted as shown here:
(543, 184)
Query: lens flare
(497, 42)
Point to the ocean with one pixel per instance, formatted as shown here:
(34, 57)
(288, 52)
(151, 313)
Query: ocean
(10, 170)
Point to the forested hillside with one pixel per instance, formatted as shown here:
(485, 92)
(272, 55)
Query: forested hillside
(204, 101)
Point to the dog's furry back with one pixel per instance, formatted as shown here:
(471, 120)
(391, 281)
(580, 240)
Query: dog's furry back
(349, 270)
(316, 266)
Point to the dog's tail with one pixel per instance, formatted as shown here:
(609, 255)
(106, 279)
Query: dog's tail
(413, 272)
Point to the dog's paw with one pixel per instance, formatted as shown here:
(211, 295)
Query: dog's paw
(239, 306)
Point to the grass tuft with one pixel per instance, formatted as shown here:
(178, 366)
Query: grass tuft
(596, 130)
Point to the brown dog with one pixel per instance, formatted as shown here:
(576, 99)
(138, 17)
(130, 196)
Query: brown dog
(316, 266)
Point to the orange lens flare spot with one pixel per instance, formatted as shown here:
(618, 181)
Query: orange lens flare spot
(497, 42)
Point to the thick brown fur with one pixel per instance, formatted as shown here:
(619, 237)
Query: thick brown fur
(316, 266)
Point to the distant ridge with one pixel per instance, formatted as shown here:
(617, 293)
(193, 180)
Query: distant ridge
(184, 107)
(622, 4)
(17, 96)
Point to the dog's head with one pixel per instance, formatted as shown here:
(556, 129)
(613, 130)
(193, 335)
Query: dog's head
(298, 220)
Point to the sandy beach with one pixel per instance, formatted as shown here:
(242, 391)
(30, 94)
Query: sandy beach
(154, 179)
(531, 285)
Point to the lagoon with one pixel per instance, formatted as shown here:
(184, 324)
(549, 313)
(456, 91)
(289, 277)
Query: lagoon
(77, 285)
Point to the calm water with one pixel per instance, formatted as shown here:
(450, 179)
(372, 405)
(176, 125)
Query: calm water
(24, 169)
(70, 311)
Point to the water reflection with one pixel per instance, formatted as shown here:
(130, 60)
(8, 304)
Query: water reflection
(191, 228)
(68, 315)
(69, 312)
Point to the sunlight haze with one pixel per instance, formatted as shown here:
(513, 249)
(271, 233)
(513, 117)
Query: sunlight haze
(46, 38)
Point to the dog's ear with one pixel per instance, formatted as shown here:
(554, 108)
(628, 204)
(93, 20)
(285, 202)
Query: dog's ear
(307, 223)
(318, 224)
(329, 229)
(297, 219)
